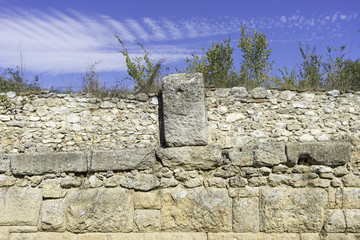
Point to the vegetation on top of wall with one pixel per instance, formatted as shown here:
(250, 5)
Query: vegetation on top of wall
(13, 80)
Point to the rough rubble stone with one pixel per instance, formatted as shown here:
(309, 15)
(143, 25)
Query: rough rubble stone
(258, 93)
(328, 154)
(41, 163)
(142, 182)
(239, 92)
(119, 160)
(292, 210)
(4, 163)
(287, 95)
(185, 120)
(197, 209)
(99, 210)
(190, 158)
(245, 215)
(20, 206)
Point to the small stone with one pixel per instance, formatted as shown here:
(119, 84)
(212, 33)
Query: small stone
(239, 92)
(107, 105)
(351, 180)
(306, 138)
(142, 97)
(334, 93)
(11, 95)
(300, 105)
(322, 138)
(287, 95)
(259, 93)
(336, 182)
(222, 110)
(233, 117)
(340, 171)
(258, 134)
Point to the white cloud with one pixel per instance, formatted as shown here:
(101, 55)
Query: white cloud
(157, 31)
(138, 29)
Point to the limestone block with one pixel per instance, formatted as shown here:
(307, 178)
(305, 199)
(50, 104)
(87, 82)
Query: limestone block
(329, 153)
(142, 236)
(147, 220)
(43, 236)
(23, 229)
(310, 236)
(190, 158)
(254, 236)
(258, 92)
(4, 163)
(147, 200)
(341, 236)
(20, 206)
(285, 209)
(52, 216)
(243, 157)
(196, 209)
(41, 163)
(353, 220)
(347, 198)
(4, 233)
(99, 210)
(185, 120)
(269, 154)
(120, 160)
(335, 221)
(245, 215)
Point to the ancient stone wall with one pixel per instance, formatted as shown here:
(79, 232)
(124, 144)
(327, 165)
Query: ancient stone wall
(272, 165)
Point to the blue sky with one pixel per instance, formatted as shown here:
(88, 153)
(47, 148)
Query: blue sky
(60, 40)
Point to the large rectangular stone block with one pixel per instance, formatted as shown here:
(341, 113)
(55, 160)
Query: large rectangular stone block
(120, 160)
(245, 215)
(185, 120)
(197, 209)
(297, 210)
(99, 210)
(202, 158)
(329, 153)
(20, 206)
(42, 163)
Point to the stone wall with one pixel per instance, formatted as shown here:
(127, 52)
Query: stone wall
(246, 166)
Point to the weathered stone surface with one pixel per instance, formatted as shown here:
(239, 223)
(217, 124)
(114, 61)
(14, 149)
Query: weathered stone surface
(239, 92)
(269, 154)
(20, 206)
(108, 236)
(292, 210)
(184, 110)
(41, 163)
(310, 236)
(254, 236)
(258, 92)
(202, 158)
(342, 236)
(287, 95)
(23, 229)
(4, 163)
(120, 160)
(4, 233)
(143, 182)
(347, 198)
(147, 200)
(329, 154)
(335, 221)
(243, 157)
(197, 209)
(351, 180)
(52, 217)
(7, 181)
(245, 215)
(353, 220)
(99, 210)
(147, 220)
(52, 189)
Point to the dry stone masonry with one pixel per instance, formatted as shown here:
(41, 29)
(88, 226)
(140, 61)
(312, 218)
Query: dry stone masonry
(189, 163)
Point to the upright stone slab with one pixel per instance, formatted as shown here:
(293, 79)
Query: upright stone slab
(184, 110)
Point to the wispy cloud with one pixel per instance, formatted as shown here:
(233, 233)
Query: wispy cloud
(56, 42)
